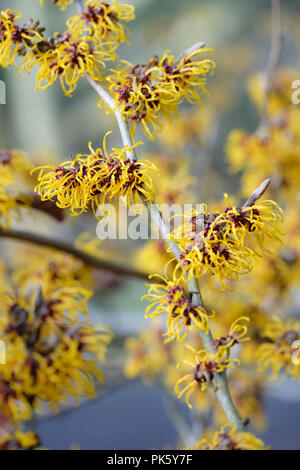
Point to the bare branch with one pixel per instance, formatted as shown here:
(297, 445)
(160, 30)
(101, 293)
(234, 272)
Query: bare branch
(223, 393)
(88, 259)
(80, 6)
(274, 59)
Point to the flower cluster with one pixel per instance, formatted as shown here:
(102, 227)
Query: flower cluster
(104, 20)
(19, 440)
(171, 298)
(89, 41)
(280, 350)
(17, 40)
(150, 92)
(225, 243)
(51, 356)
(275, 153)
(202, 371)
(228, 439)
(90, 180)
(279, 97)
(67, 58)
(154, 360)
(14, 167)
(63, 4)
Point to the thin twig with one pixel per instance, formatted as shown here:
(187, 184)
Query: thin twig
(222, 390)
(88, 259)
(180, 424)
(125, 135)
(80, 6)
(274, 59)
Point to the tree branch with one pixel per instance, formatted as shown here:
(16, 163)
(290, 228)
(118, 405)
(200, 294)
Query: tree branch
(88, 259)
(273, 61)
(222, 393)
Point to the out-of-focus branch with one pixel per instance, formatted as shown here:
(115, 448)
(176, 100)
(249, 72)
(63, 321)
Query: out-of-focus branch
(80, 6)
(274, 58)
(276, 46)
(183, 429)
(88, 259)
(48, 207)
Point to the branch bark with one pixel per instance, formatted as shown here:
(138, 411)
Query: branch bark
(222, 392)
(88, 259)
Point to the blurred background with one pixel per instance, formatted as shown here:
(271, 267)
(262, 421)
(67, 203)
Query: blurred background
(132, 414)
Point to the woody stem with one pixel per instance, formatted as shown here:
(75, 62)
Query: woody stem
(222, 392)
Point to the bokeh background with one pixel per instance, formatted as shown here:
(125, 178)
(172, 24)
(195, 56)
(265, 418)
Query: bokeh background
(48, 125)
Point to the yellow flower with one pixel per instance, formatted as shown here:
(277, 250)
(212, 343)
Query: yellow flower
(171, 298)
(50, 357)
(186, 76)
(274, 153)
(62, 4)
(203, 369)
(229, 439)
(236, 335)
(7, 206)
(151, 92)
(279, 353)
(12, 164)
(66, 184)
(225, 243)
(279, 97)
(104, 20)
(94, 178)
(14, 39)
(14, 167)
(19, 441)
(69, 57)
(191, 127)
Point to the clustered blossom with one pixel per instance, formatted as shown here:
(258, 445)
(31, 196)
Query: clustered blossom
(202, 371)
(148, 93)
(229, 439)
(280, 350)
(51, 356)
(14, 166)
(19, 440)
(104, 20)
(62, 4)
(17, 40)
(225, 243)
(154, 360)
(279, 96)
(89, 180)
(273, 153)
(84, 48)
(236, 335)
(171, 298)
